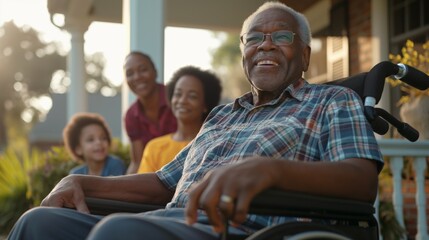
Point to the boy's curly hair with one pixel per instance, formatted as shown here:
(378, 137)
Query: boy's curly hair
(73, 130)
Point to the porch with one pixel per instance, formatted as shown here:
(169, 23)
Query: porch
(406, 164)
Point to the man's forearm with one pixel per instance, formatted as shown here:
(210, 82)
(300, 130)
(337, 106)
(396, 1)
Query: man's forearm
(352, 178)
(142, 188)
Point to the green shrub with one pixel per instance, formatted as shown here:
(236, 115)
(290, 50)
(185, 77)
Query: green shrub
(15, 194)
(389, 226)
(57, 164)
(26, 177)
(121, 150)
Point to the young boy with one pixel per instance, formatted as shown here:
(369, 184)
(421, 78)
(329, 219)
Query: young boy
(87, 138)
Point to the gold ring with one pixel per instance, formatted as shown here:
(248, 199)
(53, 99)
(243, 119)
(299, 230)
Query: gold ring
(226, 199)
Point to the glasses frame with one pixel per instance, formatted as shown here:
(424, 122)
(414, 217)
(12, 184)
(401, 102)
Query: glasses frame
(242, 38)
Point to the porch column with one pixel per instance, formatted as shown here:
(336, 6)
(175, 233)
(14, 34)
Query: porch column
(380, 40)
(76, 95)
(420, 165)
(144, 25)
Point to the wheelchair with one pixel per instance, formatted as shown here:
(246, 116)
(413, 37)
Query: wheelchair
(352, 219)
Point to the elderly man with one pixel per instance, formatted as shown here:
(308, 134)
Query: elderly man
(285, 134)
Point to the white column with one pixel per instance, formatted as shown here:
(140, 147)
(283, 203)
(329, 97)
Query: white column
(76, 95)
(144, 24)
(420, 169)
(396, 166)
(147, 31)
(380, 40)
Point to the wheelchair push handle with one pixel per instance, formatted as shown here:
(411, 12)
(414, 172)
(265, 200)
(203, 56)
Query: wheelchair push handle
(374, 87)
(405, 73)
(412, 76)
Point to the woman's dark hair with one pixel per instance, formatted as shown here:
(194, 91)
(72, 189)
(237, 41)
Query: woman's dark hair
(73, 130)
(143, 55)
(211, 85)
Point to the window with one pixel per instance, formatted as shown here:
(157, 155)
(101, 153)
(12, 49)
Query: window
(330, 48)
(409, 19)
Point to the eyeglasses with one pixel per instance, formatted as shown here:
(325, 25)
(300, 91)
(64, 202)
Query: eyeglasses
(283, 37)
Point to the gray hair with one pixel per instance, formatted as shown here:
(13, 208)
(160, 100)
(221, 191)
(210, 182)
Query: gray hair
(304, 30)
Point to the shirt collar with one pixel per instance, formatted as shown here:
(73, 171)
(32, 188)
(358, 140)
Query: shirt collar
(294, 90)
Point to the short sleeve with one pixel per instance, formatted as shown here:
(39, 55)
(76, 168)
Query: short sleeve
(346, 132)
(171, 173)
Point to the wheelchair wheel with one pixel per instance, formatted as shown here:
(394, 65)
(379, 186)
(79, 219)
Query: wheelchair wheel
(313, 235)
(299, 231)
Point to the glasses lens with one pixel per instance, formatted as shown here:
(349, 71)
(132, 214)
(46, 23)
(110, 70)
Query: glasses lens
(278, 38)
(282, 37)
(253, 38)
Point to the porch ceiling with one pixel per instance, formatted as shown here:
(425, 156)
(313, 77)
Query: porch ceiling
(224, 15)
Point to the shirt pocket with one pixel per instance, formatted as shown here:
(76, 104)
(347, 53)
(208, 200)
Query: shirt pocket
(275, 138)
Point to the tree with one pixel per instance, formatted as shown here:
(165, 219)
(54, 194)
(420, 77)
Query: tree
(27, 65)
(227, 63)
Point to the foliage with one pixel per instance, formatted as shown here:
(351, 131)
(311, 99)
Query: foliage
(15, 196)
(121, 150)
(389, 225)
(228, 52)
(29, 73)
(26, 66)
(227, 62)
(26, 177)
(56, 165)
(415, 56)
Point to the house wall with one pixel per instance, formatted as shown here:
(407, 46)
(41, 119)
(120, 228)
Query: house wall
(361, 60)
(49, 132)
(360, 40)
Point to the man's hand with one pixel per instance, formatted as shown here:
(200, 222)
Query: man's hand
(67, 193)
(228, 191)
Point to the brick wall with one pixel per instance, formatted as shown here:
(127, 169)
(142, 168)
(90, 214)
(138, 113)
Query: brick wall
(409, 203)
(410, 209)
(360, 49)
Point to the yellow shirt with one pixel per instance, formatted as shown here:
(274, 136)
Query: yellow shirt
(160, 151)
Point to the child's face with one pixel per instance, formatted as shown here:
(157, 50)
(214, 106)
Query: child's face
(93, 143)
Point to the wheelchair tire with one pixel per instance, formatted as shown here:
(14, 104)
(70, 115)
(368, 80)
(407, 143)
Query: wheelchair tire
(299, 231)
(313, 235)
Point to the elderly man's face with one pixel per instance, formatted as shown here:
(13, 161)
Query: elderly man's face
(270, 68)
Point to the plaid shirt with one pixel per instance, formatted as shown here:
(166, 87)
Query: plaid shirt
(306, 123)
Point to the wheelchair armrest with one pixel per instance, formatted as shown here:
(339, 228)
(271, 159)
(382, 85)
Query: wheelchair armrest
(269, 202)
(104, 207)
(281, 203)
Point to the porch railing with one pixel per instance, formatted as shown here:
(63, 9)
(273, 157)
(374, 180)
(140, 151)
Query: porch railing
(396, 153)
